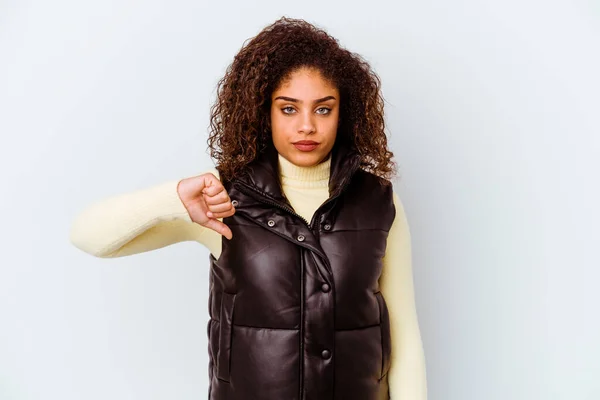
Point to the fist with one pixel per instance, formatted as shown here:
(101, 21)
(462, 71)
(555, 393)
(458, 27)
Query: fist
(206, 199)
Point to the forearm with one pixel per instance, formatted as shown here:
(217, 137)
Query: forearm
(136, 222)
(407, 375)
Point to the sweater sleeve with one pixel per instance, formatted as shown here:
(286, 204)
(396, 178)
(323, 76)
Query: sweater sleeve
(407, 374)
(139, 221)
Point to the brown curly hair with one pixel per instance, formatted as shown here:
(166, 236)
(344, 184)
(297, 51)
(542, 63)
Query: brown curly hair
(240, 117)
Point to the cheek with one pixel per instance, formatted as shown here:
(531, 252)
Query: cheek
(331, 124)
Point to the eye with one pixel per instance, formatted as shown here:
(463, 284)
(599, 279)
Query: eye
(326, 110)
(288, 108)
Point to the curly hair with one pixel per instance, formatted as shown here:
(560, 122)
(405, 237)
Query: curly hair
(240, 118)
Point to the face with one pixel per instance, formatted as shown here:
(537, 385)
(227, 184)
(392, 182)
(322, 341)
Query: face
(304, 117)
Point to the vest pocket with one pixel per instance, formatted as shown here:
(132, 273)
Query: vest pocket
(225, 325)
(386, 343)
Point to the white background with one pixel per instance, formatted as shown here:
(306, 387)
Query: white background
(493, 109)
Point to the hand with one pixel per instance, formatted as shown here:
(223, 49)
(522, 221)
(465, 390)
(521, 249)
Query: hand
(206, 199)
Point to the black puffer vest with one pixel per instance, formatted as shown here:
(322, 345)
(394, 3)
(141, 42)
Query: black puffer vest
(295, 308)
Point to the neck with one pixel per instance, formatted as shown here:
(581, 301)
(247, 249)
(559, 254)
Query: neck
(314, 175)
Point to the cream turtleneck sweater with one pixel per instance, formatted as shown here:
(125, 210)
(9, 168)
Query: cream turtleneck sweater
(155, 217)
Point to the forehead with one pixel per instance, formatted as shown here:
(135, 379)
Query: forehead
(306, 81)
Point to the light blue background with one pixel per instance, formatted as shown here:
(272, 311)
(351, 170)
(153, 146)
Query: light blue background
(493, 109)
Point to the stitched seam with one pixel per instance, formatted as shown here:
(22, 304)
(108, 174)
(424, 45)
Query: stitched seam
(357, 329)
(357, 230)
(383, 377)
(265, 327)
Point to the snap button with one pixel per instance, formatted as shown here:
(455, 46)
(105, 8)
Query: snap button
(325, 287)
(300, 238)
(234, 203)
(325, 354)
(327, 227)
(271, 222)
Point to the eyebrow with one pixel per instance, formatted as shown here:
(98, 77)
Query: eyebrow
(291, 99)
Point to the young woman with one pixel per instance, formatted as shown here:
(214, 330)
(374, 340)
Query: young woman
(311, 292)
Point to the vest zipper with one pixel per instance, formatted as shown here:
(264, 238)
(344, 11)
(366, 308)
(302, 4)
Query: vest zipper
(245, 187)
(301, 355)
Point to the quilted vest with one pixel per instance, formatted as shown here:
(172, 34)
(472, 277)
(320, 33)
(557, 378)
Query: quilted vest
(295, 307)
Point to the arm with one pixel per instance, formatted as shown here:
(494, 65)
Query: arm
(137, 222)
(407, 375)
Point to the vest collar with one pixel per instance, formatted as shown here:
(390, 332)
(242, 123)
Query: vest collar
(263, 172)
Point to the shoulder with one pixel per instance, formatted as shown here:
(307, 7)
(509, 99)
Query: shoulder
(369, 181)
(386, 192)
(369, 192)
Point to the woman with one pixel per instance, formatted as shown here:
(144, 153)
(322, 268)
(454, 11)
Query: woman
(311, 293)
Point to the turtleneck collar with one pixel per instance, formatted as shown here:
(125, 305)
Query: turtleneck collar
(263, 175)
(313, 176)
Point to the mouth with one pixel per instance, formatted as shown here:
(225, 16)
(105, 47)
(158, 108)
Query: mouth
(306, 145)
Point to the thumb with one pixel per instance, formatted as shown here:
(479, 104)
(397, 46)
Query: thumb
(219, 227)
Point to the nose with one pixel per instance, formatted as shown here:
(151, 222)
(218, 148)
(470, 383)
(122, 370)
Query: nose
(307, 124)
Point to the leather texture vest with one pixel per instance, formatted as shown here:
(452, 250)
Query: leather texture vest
(295, 307)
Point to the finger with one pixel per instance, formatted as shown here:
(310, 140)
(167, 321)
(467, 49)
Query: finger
(219, 227)
(221, 214)
(212, 186)
(219, 208)
(221, 197)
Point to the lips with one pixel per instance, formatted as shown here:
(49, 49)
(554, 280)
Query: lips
(306, 145)
(306, 142)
